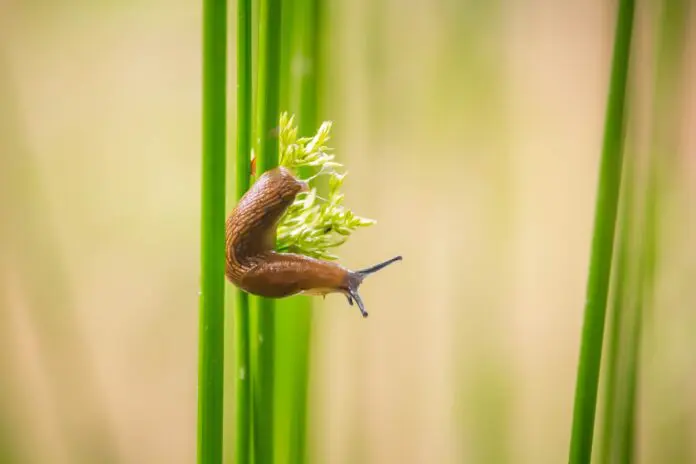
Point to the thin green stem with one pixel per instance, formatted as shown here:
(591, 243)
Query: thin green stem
(268, 83)
(308, 38)
(620, 313)
(212, 290)
(627, 414)
(621, 398)
(667, 106)
(267, 158)
(243, 171)
(287, 56)
(602, 243)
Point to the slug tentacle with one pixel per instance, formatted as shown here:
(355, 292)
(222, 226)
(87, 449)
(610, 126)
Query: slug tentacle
(254, 266)
(356, 278)
(377, 267)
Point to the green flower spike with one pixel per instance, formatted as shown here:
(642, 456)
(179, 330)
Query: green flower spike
(313, 226)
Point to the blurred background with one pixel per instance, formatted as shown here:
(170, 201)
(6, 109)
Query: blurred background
(472, 132)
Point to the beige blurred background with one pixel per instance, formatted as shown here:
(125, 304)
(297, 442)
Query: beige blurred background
(472, 133)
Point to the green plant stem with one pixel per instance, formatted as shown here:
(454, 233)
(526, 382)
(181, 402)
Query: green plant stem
(620, 313)
(627, 414)
(286, 55)
(212, 290)
(602, 243)
(308, 37)
(243, 171)
(667, 106)
(267, 158)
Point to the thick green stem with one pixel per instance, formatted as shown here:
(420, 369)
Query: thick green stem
(212, 290)
(243, 170)
(602, 243)
(267, 158)
(307, 38)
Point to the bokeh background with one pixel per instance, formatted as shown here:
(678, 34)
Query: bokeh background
(472, 132)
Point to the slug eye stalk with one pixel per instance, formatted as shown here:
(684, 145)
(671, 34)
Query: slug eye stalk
(356, 278)
(377, 267)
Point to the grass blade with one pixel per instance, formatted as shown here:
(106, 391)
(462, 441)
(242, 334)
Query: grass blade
(268, 89)
(243, 169)
(295, 319)
(622, 315)
(619, 435)
(602, 242)
(212, 290)
(667, 106)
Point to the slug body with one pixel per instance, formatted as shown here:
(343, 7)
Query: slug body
(254, 266)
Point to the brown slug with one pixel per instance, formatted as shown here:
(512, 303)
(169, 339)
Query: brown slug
(254, 266)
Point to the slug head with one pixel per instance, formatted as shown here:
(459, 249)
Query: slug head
(355, 278)
(283, 183)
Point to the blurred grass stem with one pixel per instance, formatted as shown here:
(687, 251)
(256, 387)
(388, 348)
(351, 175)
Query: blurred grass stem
(602, 242)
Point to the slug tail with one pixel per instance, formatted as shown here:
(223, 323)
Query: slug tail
(356, 278)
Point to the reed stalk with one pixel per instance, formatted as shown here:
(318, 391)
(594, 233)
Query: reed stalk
(212, 289)
(602, 242)
(263, 328)
(296, 328)
(242, 436)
